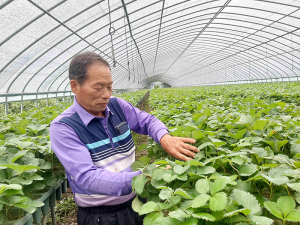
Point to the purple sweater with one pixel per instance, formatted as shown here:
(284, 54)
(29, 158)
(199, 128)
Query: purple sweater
(92, 184)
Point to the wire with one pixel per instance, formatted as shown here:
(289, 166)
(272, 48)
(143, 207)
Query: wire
(126, 47)
(111, 33)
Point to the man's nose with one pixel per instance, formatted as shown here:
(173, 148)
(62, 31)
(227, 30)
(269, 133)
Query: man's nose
(106, 94)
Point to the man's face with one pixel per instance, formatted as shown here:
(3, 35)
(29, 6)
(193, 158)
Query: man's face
(93, 95)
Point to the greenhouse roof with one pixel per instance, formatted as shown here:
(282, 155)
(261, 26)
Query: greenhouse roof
(180, 43)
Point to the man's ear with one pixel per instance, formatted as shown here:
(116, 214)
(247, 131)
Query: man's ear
(74, 86)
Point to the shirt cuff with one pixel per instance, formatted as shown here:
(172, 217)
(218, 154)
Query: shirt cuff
(161, 133)
(129, 177)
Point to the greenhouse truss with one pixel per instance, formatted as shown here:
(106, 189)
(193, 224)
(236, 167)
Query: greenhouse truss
(176, 42)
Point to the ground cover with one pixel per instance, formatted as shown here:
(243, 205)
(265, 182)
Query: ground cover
(247, 170)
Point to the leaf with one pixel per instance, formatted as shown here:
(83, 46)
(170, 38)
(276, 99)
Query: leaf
(200, 201)
(20, 168)
(136, 204)
(18, 155)
(219, 185)
(218, 201)
(148, 208)
(281, 143)
(286, 204)
(165, 194)
(205, 144)
(204, 216)
(177, 214)
(142, 147)
(153, 219)
(182, 192)
(244, 211)
(247, 200)
(240, 134)
(247, 169)
(202, 186)
(197, 135)
(144, 160)
(260, 220)
(260, 124)
(294, 216)
(205, 170)
(276, 176)
(139, 184)
(174, 199)
(194, 162)
(180, 169)
(272, 208)
(136, 166)
(190, 221)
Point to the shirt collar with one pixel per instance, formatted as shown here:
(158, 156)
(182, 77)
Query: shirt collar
(85, 116)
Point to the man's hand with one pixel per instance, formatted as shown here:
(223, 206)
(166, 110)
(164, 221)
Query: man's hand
(176, 147)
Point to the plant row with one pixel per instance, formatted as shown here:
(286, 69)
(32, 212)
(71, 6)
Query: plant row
(247, 170)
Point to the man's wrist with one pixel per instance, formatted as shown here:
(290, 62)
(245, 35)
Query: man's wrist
(161, 133)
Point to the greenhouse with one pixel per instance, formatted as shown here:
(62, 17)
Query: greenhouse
(198, 103)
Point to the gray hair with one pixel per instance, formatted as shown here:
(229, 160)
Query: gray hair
(80, 63)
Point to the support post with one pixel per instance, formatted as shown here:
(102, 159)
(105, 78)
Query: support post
(47, 100)
(36, 100)
(6, 106)
(21, 103)
(56, 98)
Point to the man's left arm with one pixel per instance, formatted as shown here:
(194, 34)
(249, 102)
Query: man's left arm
(145, 123)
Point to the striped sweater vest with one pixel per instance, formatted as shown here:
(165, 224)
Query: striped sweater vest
(114, 153)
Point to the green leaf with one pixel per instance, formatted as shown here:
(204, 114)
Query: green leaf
(207, 112)
(200, 201)
(218, 201)
(178, 214)
(36, 203)
(218, 185)
(136, 166)
(190, 221)
(180, 169)
(286, 204)
(272, 208)
(247, 169)
(139, 184)
(23, 122)
(294, 216)
(20, 168)
(247, 200)
(294, 186)
(148, 208)
(136, 204)
(260, 220)
(197, 135)
(144, 160)
(194, 162)
(182, 192)
(154, 219)
(276, 176)
(281, 143)
(240, 134)
(174, 199)
(205, 170)
(18, 155)
(205, 144)
(142, 147)
(202, 186)
(260, 124)
(165, 194)
(204, 216)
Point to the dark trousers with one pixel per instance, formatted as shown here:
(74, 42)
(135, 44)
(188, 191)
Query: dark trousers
(122, 214)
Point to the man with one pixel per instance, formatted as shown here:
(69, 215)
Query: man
(93, 142)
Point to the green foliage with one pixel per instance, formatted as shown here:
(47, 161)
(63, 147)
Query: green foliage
(247, 170)
(28, 167)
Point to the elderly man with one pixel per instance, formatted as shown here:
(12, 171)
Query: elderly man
(92, 140)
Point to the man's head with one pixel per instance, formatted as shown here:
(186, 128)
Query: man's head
(91, 82)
